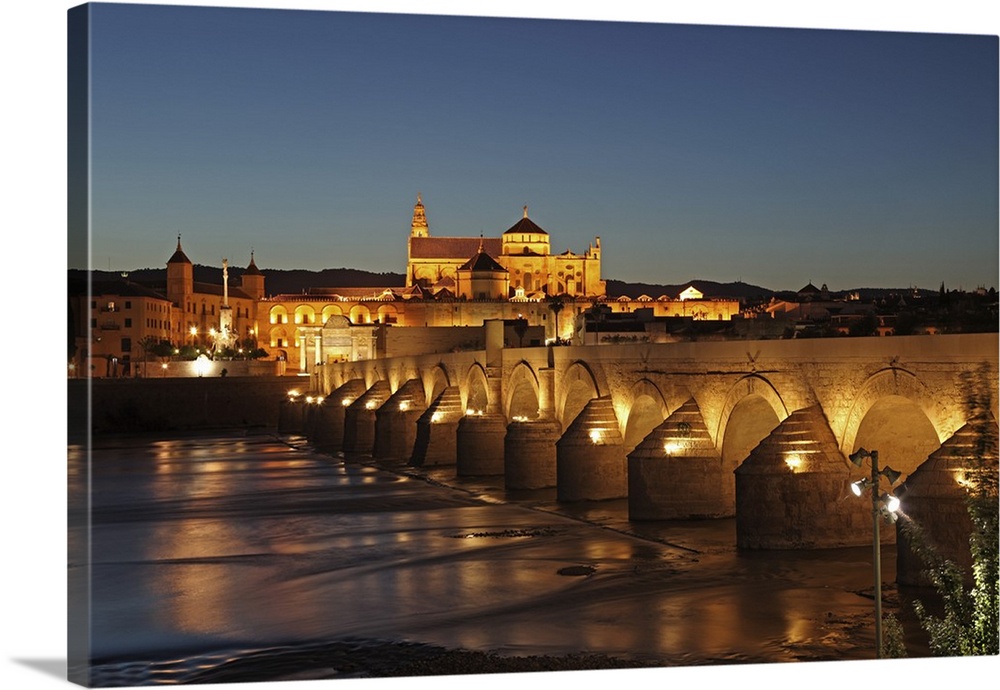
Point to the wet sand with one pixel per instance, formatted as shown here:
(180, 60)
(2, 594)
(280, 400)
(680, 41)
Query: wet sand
(230, 557)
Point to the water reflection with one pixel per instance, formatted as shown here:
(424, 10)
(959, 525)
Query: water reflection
(204, 544)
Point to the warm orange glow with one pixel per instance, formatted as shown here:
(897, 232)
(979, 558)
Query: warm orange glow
(595, 436)
(371, 405)
(404, 406)
(671, 447)
(437, 416)
(794, 461)
(346, 401)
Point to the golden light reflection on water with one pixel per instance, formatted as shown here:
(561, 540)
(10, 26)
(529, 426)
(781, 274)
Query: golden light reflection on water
(276, 544)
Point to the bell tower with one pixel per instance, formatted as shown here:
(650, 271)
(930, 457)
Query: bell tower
(418, 227)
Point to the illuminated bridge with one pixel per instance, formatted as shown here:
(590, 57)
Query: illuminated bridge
(759, 430)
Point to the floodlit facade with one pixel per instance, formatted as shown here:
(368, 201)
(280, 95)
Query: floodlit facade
(453, 286)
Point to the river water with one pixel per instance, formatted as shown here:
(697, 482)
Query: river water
(209, 548)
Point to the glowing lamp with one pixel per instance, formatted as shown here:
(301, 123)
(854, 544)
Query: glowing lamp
(437, 417)
(671, 447)
(371, 405)
(202, 365)
(345, 402)
(404, 405)
(595, 436)
(793, 461)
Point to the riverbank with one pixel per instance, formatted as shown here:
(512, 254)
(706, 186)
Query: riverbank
(238, 556)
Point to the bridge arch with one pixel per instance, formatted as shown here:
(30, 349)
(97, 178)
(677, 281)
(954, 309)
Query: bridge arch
(435, 381)
(373, 376)
(646, 410)
(477, 390)
(895, 414)
(523, 394)
(579, 386)
(752, 410)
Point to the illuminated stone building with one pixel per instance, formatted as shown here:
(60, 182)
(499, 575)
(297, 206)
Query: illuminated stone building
(114, 322)
(523, 250)
(453, 286)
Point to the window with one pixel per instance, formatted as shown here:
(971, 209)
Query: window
(126, 344)
(93, 304)
(111, 306)
(128, 304)
(128, 323)
(93, 323)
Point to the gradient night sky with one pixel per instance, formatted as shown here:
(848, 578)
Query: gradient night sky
(779, 156)
(775, 156)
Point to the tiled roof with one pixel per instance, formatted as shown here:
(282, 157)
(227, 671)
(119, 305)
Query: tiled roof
(179, 256)
(252, 269)
(123, 288)
(213, 289)
(482, 262)
(525, 226)
(453, 248)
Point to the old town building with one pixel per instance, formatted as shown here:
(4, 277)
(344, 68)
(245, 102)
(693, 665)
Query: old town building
(453, 286)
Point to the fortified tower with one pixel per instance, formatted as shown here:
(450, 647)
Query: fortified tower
(252, 281)
(180, 278)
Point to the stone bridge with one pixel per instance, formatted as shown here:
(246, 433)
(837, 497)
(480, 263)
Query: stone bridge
(759, 430)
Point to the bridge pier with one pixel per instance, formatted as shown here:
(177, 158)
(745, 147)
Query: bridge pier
(329, 434)
(590, 456)
(436, 443)
(396, 424)
(529, 454)
(479, 445)
(934, 498)
(676, 473)
(793, 491)
(359, 419)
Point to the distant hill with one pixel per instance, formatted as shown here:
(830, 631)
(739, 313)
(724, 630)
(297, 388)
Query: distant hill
(738, 290)
(296, 281)
(276, 281)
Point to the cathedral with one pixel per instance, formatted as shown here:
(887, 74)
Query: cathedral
(518, 263)
(453, 286)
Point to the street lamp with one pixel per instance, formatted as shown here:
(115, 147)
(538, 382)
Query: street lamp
(884, 506)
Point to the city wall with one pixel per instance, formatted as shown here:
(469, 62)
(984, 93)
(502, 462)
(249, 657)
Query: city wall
(175, 404)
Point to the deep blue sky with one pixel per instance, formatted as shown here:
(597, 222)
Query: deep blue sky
(776, 156)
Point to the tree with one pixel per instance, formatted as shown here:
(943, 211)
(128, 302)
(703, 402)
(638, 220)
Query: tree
(555, 306)
(867, 325)
(968, 625)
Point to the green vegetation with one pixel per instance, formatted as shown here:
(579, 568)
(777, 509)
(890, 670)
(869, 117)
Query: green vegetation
(968, 625)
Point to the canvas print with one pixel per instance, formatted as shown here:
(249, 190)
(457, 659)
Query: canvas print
(407, 345)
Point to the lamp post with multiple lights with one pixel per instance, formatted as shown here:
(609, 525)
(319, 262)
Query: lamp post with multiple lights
(884, 507)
